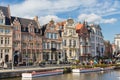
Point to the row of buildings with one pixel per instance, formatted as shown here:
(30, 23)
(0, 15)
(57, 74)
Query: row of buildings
(25, 40)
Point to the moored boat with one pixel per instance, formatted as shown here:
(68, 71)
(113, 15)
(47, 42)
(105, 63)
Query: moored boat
(86, 70)
(40, 74)
(108, 68)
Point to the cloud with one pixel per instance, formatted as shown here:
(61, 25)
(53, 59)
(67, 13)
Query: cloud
(112, 20)
(43, 7)
(46, 19)
(102, 7)
(93, 18)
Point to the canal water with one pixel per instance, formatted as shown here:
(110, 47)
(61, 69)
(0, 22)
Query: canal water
(107, 75)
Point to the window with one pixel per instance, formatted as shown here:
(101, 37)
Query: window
(53, 45)
(7, 31)
(47, 35)
(43, 45)
(6, 40)
(52, 28)
(24, 29)
(1, 30)
(1, 40)
(74, 43)
(74, 32)
(70, 53)
(65, 32)
(64, 42)
(1, 53)
(59, 46)
(70, 42)
(1, 21)
(48, 45)
(50, 35)
(60, 27)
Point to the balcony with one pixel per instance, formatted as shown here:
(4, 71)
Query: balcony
(53, 49)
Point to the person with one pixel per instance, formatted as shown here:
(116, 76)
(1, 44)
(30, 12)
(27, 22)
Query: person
(91, 62)
(5, 65)
(95, 62)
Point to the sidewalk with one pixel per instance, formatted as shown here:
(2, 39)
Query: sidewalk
(32, 68)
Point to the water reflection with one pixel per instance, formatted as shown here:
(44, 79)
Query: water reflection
(108, 75)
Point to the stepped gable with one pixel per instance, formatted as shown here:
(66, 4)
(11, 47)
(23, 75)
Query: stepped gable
(25, 22)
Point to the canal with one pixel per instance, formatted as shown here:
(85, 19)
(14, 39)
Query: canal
(107, 75)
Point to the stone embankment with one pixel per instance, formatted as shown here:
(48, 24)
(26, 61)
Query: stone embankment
(5, 73)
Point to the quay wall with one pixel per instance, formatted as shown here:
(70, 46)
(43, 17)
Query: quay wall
(17, 72)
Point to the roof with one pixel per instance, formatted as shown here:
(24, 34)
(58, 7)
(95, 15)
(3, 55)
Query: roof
(25, 22)
(5, 11)
(6, 14)
(79, 26)
(61, 23)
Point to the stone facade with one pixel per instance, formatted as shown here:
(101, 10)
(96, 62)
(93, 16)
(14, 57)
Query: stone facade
(97, 41)
(27, 40)
(6, 33)
(52, 42)
(70, 41)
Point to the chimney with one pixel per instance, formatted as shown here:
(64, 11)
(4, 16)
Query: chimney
(36, 18)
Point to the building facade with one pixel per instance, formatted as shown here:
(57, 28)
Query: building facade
(27, 40)
(52, 42)
(6, 33)
(83, 31)
(117, 43)
(108, 49)
(97, 42)
(69, 41)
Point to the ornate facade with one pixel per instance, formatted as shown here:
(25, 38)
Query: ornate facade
(27, 40)
(52, 42)
(6, 33)
(70, 41)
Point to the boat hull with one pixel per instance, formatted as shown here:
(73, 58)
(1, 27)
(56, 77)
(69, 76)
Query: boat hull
(30, 75)
(86, 70)
(108, 68)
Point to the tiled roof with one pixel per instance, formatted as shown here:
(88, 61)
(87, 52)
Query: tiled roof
(25, 22)
(79, 26)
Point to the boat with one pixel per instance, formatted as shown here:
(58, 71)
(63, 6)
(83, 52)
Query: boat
(82, 70)
(108, 68)
(40, 74)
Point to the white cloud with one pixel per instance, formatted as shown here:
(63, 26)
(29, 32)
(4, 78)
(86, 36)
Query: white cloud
(93, 18)
(43, 7)
(103, 7)
(112, 20)
(31, 8)
(46, 19)
(90, 18)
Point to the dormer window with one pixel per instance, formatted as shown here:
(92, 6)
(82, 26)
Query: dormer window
(37, 30)
(24, 29)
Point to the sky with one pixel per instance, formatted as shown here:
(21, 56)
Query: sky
(106, 13)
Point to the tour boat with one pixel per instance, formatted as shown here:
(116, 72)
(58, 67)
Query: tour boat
(85, 70)
(108, 68)
(40, 74)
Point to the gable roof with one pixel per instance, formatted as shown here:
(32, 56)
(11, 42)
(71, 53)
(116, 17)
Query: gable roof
(25, 22)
